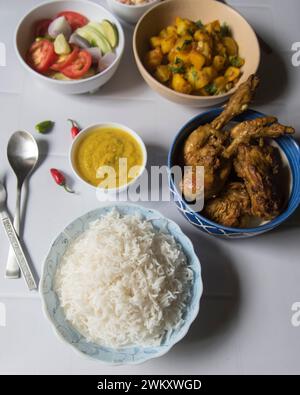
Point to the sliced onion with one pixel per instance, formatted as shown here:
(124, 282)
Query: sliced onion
(79, 41)
(96, 54)
(106, 61)
(60, 25)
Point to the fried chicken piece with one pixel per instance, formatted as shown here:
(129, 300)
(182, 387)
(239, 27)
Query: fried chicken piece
(192, 186)
(265, 127)
(208, 145)
(202, 143)
(205, 146)
(238, 102)
(258, 167)
(231, 208)
(201, 136)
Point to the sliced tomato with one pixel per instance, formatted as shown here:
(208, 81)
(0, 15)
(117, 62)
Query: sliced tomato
(79, 66)
(75, 19)
(41, 27)
(41, 55)
(65, 60)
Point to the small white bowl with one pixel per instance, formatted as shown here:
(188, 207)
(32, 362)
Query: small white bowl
(24, 37)
(130, 13)
(103, 125)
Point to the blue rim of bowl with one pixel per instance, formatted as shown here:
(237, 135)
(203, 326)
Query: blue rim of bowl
(185, 329)
(288, 145)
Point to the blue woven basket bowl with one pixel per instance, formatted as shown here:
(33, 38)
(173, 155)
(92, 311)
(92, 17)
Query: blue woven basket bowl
(287, 145)
(54, 312)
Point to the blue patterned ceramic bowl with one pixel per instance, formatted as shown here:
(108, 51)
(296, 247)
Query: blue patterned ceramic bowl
(291, 156)
(53, 311)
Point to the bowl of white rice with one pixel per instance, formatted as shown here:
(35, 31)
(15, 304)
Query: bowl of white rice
(121, 284)
(131, 11)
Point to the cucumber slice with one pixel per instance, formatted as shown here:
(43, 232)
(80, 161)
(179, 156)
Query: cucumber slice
(109, 31)
(60, 76)
(95, 38)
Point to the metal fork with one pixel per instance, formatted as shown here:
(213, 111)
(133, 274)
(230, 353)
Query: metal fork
(14, 241)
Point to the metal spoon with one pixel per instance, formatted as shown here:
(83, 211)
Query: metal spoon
(14, 241)
(22, 154)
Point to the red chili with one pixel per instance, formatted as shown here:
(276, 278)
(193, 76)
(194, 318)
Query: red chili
(75, 128)
(60, 179)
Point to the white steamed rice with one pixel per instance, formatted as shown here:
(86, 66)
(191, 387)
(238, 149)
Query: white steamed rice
(123, 283)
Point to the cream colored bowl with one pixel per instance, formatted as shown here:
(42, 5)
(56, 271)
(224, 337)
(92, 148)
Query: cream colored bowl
(164, 14)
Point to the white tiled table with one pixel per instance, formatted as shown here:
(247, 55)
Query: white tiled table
(245, 321)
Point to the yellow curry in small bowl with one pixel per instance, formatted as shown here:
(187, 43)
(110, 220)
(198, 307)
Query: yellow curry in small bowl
(108, 156)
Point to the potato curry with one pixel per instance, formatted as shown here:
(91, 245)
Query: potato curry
(193, 58)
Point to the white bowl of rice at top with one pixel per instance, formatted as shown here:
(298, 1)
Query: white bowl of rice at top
(131, 11)
(121, 284)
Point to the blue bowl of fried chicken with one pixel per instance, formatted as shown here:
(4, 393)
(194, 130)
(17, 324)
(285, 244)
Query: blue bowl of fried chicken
(251, 179)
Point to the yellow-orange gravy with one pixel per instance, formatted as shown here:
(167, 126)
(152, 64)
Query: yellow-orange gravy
(104, 147)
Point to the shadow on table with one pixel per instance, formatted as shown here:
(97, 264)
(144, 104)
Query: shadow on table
(157, 156)
(127, 77)
(221, 295)
(274, 77)
(43, 145)
(290, 224)
(157, 186)
(3, 178)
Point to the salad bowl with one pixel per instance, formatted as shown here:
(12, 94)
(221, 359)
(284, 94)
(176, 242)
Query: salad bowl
(24, 37)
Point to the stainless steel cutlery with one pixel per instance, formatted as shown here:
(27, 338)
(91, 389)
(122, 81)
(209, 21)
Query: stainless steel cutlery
(14, 241)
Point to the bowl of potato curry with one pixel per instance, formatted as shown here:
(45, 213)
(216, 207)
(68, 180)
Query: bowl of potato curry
(195, 53)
